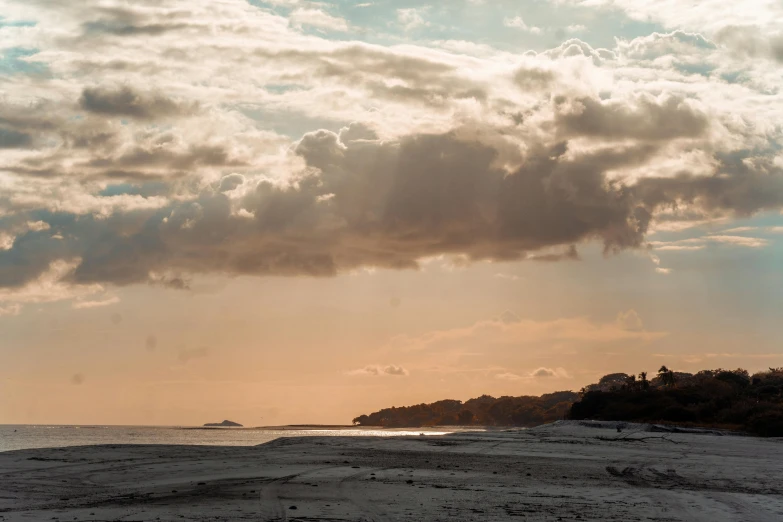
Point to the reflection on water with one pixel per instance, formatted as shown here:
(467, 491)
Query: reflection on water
(26, 437)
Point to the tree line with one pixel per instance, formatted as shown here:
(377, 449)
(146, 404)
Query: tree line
(481, 411)
(731, 399)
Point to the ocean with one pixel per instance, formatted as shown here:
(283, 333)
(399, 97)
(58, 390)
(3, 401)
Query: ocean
(17, 437)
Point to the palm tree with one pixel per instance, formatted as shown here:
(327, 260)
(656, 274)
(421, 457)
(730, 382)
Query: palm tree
(666, 376)
(644, 382)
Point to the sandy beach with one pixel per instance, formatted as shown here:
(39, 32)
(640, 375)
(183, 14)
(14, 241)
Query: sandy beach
(564, 471)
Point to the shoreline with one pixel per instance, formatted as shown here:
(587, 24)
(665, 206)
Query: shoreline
(565, 470)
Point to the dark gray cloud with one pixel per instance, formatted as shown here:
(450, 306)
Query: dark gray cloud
(647, 118)
(124, 21)
(390, 204)
(569, 254)
(744, 183)
(230, 182)
(11, 139)
(125, 101)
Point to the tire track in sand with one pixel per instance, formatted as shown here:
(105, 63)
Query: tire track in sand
(337, 489)
(271, 509)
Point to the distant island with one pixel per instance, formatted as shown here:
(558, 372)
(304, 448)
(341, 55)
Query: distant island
(224, 424)
(730, 399)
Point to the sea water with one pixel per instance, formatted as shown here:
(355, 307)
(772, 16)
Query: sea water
(43, 436)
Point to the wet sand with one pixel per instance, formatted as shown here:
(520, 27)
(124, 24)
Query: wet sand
(565, 471)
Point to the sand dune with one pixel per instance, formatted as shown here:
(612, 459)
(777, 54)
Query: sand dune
(565, 471)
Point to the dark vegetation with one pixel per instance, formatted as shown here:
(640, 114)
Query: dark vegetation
(482, 411)
(731, 399)
(718, 398)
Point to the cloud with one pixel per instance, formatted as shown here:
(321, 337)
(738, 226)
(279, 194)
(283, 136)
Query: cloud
(50, 285)
(11, 139)
(140, 152)
(709, 15)
(568, 254)
(700, 243)
(748, 41)
(525, 332)
(509, 317)
(540, 373)
(380, 371)
(508, 376)
(412, 18)
(124, 101)
(518, 23)
(679, 45)
(630, 321)
(389, 205)
(96, 303)
(748, 242)
(646, 117)
(318, 18)
(548, 373)
(10, 310)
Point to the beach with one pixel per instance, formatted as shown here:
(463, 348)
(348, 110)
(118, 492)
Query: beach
(562, 471)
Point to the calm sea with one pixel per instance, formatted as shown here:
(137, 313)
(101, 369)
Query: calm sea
(28, 437)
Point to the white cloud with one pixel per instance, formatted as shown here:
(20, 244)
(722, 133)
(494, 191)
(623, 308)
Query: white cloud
(748, 242)
(709, 15)
(318, 18)
(546, 373)
(518, 23)
(740, 230)
(700, 243)
(81, 304)
(50, 286)
(412, 18)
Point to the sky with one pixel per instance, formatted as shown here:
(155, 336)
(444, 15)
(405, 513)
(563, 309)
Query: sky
(288, 211)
